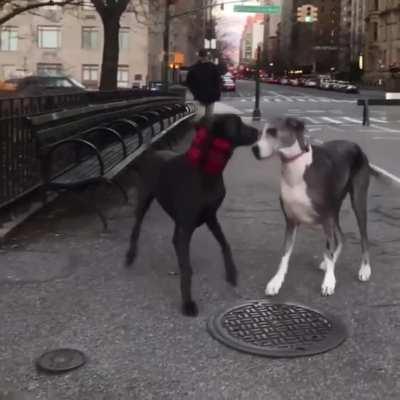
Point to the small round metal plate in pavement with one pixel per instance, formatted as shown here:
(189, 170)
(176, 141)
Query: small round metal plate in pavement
(61, 360)
(277, 330)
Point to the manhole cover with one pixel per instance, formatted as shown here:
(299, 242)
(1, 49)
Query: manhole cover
(61, 360)
(277, 330)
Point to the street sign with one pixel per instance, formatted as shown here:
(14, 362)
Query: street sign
(258, 9)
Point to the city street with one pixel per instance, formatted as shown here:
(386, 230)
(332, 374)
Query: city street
(88, 89)
(63, 284)
(328, 115)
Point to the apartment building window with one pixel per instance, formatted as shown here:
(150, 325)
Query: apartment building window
(49, 69)
(9, 39)
(376, 5)
(124, 39)
(123, 76)
(49, 37)
(90, 36)
(90, 75)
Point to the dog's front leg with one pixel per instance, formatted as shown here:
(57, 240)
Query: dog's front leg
(330, 257)
(276, 282)
(181, 241)
(230, 267)
(144, 202)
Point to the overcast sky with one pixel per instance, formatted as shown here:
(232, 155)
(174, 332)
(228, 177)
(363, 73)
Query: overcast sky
(232, 23)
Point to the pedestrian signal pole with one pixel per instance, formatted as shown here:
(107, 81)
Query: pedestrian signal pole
(257, 112)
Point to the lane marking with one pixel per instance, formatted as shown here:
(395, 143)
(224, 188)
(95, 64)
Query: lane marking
(385, 173)
(312, 120)
(358, 121)
(385, 138)
(385, 129)
(378, 120)
(333, 121)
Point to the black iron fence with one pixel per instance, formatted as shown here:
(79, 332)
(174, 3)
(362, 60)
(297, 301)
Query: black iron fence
(19, 165)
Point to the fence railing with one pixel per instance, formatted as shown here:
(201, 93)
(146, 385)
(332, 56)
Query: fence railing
(19, 164)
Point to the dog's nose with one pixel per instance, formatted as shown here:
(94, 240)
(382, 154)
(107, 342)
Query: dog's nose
(256, 152)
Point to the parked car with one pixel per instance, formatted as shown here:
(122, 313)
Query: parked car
(346, 87)
(228, 84)
(325, 84)
(311, 83)
(45, 85)
(271, 80)
(293, 82)
(284, 81)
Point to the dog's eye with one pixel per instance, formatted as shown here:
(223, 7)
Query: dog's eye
(272, 132)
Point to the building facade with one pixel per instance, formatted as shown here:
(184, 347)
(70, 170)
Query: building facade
(310, 44)
(70, 41)
(187, 34)
(352, 35)
(270, 46)
(382, 43)
(252, 37)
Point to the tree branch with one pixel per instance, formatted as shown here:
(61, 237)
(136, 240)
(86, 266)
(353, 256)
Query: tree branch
(18, 9)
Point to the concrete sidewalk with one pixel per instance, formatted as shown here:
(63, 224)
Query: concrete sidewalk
(63, 284)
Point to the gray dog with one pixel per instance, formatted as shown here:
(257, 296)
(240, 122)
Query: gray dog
(314, 182)
(190, 188)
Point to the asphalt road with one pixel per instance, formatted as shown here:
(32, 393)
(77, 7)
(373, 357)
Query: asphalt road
(328, 115)
(62, 284)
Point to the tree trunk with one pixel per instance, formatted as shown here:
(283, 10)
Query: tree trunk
(109, 69)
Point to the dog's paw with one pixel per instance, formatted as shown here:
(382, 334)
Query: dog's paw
(273, 287)
(328, 286)
(232, 277)
(190, 309)
(365, 273)
(130, 257)
(322, 266)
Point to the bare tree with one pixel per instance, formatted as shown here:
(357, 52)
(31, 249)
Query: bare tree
(110, 12)
(11, 8)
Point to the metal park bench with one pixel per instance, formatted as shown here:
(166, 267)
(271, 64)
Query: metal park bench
(85, 146)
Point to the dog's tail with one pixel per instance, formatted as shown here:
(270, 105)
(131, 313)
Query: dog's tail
(382, 175)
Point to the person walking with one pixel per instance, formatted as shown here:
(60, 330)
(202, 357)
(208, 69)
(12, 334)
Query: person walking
(204, 81)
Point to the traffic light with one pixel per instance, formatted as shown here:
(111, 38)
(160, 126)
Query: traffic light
(314, 14)
(307, 13)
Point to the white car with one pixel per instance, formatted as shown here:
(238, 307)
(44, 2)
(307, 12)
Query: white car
(310, 83)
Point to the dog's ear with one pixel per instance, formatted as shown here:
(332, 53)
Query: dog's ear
(298, 127)
(295, 124)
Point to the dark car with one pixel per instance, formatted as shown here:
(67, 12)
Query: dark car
(45, 85)
(155, 86)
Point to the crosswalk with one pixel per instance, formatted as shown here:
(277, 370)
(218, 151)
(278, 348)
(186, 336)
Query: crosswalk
(295, 99)
(332, 121)
(339, 120)
(290, 99)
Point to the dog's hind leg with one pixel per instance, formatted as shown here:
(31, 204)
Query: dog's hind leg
(181, 241)
(330, 256)
(358, 194)
(230, 268)
(276, 282)
(339, 240)
(144, 202)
